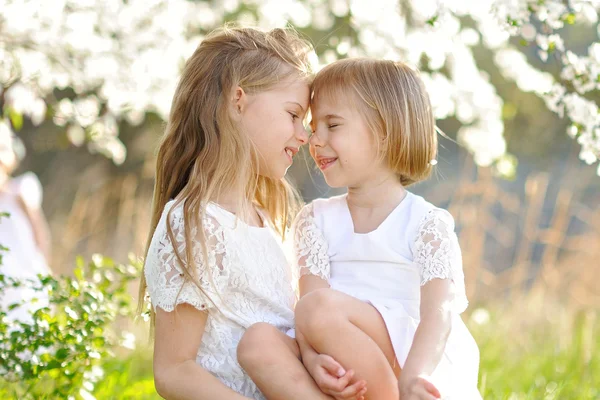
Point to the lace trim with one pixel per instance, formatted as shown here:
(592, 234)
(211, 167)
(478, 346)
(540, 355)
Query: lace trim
(167, 284)
(310, 246)
(246, 274)
(438, 254)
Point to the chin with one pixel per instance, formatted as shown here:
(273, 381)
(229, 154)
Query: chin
(335, 183)
(276, 173)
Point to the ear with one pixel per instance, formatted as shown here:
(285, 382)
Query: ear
(239, 101)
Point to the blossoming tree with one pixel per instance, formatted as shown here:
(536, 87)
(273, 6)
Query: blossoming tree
(89, 65)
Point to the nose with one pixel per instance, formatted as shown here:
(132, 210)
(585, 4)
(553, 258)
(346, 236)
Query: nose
(302, 135)
(315, 139)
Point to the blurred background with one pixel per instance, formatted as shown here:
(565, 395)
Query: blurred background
(86, 86)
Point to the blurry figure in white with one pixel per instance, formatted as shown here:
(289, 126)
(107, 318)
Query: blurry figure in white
(25, 232)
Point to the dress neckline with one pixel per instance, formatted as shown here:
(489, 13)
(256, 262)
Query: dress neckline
(385, 220)
(235, 218)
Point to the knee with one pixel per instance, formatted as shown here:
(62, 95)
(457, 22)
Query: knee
(317, 311)
(254, 345)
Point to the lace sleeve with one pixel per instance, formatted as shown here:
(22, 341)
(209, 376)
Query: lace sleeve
(438, 255)
(167, 284)
(310, 247)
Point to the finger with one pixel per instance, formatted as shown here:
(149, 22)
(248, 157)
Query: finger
(332, 366)
(344, 381)
(423, 394)
(431, 388)
(340, 384)
(325, 381)
(361, 394)
(354, 391)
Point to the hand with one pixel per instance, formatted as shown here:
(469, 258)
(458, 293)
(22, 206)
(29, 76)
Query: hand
(417, 388)
(334, 380)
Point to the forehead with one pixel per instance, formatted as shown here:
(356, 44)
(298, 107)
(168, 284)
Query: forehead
(298, 89)
(337, 101)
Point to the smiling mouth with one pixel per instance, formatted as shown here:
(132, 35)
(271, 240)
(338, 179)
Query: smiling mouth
(289, 152)
(325, 163)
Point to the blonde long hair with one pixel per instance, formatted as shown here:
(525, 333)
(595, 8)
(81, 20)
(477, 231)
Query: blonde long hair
(394, 102)
(202, 152)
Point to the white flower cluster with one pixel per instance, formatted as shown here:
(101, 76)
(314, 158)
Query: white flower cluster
(580, 74)
(122, 58)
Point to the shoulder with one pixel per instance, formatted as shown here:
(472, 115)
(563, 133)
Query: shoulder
(29, 189)
(437, 218)
(174, 210)
(319, 206)
(319, 211)
(420, 211)
(326, 204)
(328, 209)
(173, 217)
(172, 214)
(426, 222)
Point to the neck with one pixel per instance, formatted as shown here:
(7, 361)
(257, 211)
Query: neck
(380, 192)
(230, 200)
(236, 203)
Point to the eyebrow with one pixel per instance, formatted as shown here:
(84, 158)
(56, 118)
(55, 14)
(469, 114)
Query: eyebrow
(328, 116)
(331, 116)
(298, 104)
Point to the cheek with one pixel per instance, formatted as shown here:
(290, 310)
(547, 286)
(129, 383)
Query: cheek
(277, 127)
(311, 150)
(356, 155)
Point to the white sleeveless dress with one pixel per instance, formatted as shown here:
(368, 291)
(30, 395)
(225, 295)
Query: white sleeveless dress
(248, 278)
(387, 267)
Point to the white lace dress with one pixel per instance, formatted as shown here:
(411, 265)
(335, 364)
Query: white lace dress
(248, 277)
(387, 267)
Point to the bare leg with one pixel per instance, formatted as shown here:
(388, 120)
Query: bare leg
(272, 360)
(354, 334)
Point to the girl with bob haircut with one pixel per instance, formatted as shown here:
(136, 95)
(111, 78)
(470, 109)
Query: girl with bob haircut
(382, 284)
(214, 262)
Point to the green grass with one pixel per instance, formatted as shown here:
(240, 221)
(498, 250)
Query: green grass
(129, 378)
(530, 357)
(524, 355)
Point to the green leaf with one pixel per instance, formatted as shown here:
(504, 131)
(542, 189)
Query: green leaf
(62, 354)
(570, 18)
(16, 118)
(78, 272)
(431, 21)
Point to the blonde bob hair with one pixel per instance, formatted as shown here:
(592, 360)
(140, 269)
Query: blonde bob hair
(396, 107)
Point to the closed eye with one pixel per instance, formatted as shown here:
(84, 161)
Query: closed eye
(331, 126)
(294, 116)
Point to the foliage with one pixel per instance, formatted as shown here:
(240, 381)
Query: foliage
(59, 353)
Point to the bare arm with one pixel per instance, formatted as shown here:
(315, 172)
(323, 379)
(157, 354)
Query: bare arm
(177, 376)
(429, 341)
(435, 325)
(437, 252)
(308, 283)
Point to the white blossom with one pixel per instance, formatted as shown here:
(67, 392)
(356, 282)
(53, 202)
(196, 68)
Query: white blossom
(122, 59)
